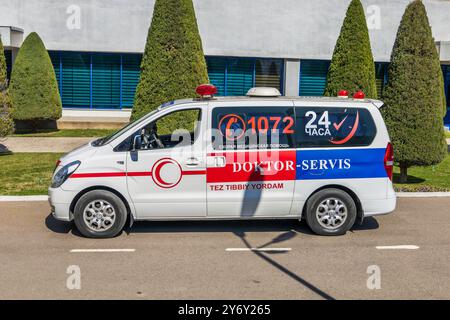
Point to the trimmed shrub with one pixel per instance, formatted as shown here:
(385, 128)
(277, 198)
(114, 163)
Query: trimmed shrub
(6, 122)
(3, 79)
(173, 64)
(33, 87)
(352, 67)
(414, 94)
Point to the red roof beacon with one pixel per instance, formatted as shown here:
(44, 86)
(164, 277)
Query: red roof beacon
(206, 90)
(359, 95)
(343, 94)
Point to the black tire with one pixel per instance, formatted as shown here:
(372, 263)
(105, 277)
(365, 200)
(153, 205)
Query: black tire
(316, 200)
(120, 212)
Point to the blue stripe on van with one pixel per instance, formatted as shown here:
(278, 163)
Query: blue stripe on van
(340, 164)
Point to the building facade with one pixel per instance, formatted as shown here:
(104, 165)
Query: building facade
(96, 46)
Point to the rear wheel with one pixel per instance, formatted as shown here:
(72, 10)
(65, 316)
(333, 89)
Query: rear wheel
(330, 212)
(100, 214)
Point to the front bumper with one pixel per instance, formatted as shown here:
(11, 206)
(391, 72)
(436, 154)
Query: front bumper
(60, 201)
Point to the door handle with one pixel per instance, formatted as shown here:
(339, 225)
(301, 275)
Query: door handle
(216, 161)
(192, 162)
(220, 161)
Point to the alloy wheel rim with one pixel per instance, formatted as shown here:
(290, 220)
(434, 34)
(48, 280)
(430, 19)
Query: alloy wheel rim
(331, 213)
(99, 215)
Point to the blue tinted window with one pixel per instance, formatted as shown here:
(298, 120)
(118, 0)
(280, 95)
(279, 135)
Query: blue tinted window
(234, 76)
(252, 128)
(333, 127)
(96, 80)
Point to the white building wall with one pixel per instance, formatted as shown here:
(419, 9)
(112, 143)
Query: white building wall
(296, 29)
(291, 77)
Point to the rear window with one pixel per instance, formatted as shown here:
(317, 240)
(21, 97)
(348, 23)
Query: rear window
(333, 127)
(237, 128)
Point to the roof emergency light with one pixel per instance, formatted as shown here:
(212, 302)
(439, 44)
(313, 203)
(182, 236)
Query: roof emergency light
(343, 94)
(206, 90)
(263, 92)
(359, 95)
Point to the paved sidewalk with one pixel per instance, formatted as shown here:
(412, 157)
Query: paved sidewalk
(44, 144)
(51, 144)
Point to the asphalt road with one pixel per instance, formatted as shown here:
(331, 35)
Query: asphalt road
(189, 260)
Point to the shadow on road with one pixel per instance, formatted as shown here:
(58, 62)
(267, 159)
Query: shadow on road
(289, 227)
(57, 226)
(61, 226)
(285, 270)
(370, 223)
(219, 226)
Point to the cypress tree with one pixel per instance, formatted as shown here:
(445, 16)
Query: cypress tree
(414, 94)
(33, 88)
(352, 67)
(6, 122)
(173, 64)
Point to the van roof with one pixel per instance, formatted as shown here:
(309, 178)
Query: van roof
(375, 102)
(295, 98)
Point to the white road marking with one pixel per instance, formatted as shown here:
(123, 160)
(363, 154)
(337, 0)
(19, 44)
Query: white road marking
(102, 250)
(259, 249)
(400, 247)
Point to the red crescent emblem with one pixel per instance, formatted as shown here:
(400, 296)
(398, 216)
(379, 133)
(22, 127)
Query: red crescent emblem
(156, 172)
(351, 134)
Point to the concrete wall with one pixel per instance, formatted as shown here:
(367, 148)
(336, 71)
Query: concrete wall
(291, 77)
(444, 51)
(258, 28)
(104, 25)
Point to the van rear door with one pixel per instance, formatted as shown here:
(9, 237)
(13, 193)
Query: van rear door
(338, 144)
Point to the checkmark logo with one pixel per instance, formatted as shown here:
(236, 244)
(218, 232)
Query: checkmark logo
(338, 126)
(352, 132)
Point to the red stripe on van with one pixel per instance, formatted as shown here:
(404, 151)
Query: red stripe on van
(130, 174)
(98, 175)
(193, 172)
(139, 174)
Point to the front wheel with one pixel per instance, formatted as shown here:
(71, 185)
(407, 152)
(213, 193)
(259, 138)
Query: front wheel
(330, 212)
(100, 214)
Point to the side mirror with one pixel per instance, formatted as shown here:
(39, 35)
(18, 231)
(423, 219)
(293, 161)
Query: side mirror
(137, 143)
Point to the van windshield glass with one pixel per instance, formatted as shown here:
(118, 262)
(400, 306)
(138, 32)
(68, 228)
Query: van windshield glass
(105, 140)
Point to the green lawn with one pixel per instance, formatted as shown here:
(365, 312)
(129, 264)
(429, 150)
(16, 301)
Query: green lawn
(30, 174)
(447, 134)
(433, 178)
(68, 133)
(26, 173)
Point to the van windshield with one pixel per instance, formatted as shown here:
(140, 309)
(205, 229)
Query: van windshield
(105, 140)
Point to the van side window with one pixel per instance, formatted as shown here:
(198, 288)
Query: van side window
(178, 128)
(333, 127)
(241, 128)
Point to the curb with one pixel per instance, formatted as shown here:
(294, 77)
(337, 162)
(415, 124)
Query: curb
(422, 194)
(399, 195)
(23, 198)
(44, 144)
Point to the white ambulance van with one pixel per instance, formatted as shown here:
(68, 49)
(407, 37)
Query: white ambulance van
(264, 156)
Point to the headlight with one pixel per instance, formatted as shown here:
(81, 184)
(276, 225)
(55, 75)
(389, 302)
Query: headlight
(64, 173)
